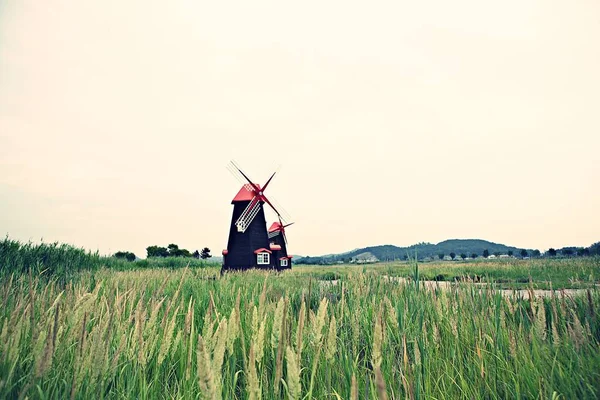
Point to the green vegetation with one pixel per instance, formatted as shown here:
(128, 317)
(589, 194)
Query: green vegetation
(126, 255)
(205, 253)
(173, 250)
(158, 333)
(63, 262)
(544, 273)
(51, 259)
(152, 329)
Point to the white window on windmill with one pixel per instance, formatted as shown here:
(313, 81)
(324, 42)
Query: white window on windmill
(262, 258)
(284, 262)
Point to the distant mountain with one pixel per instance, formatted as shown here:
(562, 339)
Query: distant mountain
(423, 250)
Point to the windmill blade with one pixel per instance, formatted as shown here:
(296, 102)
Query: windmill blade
(282, 229)
(248, 215)
(283, 214)
(269, 181)
(237, 167)
(264, 198)
(236, 174)
(284, 237)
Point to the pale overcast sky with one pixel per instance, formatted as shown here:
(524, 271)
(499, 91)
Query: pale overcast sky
(394, 122)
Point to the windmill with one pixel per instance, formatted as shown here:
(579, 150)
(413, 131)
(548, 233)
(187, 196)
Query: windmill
(279, 240)
(249, 245)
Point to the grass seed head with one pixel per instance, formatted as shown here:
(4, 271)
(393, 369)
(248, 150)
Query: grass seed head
(319, 322)
(277, 324)
(260, 339)
(380, 385)
(167, 339)
(293, 374)
(377, 341)
(353, 388)
(206, 378)
(252, 385)
(232, 330)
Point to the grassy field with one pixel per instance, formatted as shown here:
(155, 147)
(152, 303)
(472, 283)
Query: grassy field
(190, 333)
(542, 273)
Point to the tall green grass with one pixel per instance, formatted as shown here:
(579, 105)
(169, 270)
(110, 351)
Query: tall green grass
(191, 333)
(53, 259)
(63, 262)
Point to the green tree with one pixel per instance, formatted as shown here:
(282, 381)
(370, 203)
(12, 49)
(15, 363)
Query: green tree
(486, 253)
(474, 255)
(551, 252)
(184, 253)
(156, 251)
(536, 253)
(452, 255)
(205, 253)
(510, 253)
(196, 254)
(441, 256)
(173, 250)
(524, 253)
(125, 255)
(463, 255)
(567, 252)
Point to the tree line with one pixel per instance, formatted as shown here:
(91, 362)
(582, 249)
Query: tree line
(172, 250)
(593, 250)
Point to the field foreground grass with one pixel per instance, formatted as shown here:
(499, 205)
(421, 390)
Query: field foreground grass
(189, 333)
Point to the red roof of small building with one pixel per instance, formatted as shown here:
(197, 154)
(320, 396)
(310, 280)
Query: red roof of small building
(262, 250)
(224, 252)
(275, 246)
(275, 226)
(246, 193)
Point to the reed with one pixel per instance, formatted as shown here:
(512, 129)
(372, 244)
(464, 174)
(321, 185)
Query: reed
(160, 333)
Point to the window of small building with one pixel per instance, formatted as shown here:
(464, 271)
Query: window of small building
(284, 262)
(262, 258)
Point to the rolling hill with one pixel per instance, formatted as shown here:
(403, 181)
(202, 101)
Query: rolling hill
(423, 250)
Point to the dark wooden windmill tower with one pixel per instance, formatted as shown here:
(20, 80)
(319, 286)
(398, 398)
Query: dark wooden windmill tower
(278, 242)
(249, 245)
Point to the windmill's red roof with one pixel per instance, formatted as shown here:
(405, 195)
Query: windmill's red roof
(275, 226)
(246, 193)
(224, 252)
(262, 250)
(275, 246)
